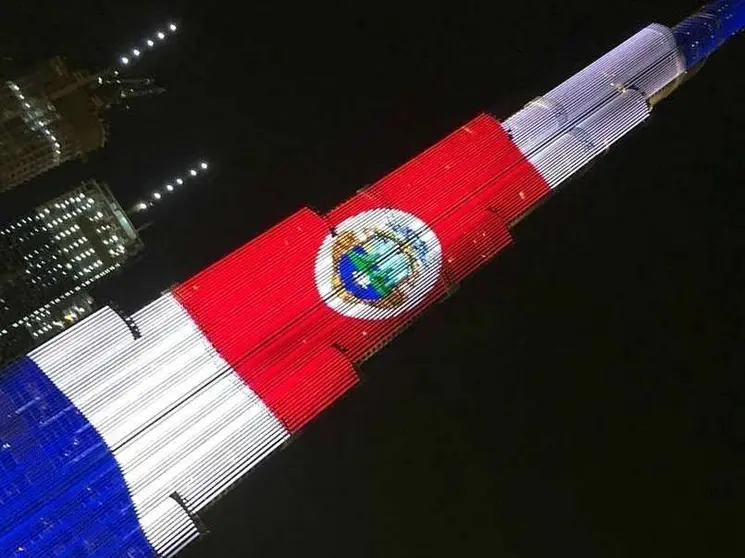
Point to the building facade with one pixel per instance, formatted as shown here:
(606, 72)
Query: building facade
(51, 256)
(47, 117)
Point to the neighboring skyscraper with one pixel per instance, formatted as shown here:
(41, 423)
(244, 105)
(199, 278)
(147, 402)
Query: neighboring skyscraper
(46, 118)
(55, 114)
(50, 257)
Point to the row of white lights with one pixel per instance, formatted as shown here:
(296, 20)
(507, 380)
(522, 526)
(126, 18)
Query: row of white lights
(157, 195)
(44, 310)
(29, 226)
(150, 42)
(38, 125)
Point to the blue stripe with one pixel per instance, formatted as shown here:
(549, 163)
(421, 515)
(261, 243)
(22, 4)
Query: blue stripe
(61, 490)
(705, 31)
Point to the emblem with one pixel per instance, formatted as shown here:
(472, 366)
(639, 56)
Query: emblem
(378, 264)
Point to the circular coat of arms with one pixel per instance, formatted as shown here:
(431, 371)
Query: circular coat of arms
(378, 264)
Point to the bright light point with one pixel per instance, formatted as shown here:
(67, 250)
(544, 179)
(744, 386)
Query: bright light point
(142, 206)
(157, 195)
(204, 166)
(124, 60)
(172, 27)
(169, 188)
(135, 52)
(179, 181)
(150, 42)
(193, 172)
(161, 35)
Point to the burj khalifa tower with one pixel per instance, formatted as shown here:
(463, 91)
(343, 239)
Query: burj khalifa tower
(119, 432)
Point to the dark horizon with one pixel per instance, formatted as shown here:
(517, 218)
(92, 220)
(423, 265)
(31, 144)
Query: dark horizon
(580, 395)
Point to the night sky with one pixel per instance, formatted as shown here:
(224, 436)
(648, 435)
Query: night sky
(582, 395)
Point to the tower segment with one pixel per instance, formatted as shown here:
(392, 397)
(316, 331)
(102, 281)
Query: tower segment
(115, 439)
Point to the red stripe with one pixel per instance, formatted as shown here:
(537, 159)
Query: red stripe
(260, 307)
(300, 385)
(245, 299)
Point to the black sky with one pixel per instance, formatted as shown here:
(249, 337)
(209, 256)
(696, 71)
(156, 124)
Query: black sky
(580, 396)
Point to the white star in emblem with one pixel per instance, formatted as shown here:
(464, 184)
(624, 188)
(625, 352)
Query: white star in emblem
(361, 279)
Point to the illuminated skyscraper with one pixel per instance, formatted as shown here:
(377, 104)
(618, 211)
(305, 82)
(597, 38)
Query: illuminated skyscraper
(46, 118)
(51, 256)
(55, 114)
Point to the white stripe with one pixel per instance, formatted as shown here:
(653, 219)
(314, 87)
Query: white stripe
(647, 62)
(176, 416)
(169, 527)
(571, 151)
